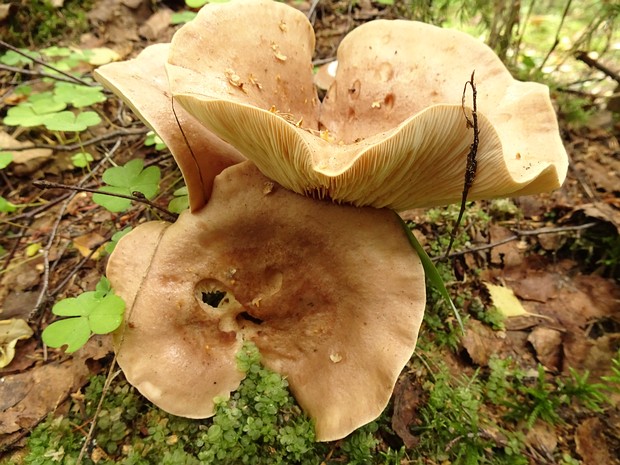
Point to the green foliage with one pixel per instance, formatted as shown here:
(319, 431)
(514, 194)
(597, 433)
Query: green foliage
(5, 159)
(77, 95)
(99, 312)
(491, 315)
(451, 421)
(182, 17)
(6, 206)
(153, 139)
(431, 273)
(613, 380)
(36, 22)
(81, 159)
(260, 424)
(180, 201)
(110, 246)
(125, 180)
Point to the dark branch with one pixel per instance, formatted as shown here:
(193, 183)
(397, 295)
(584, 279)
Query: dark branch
(471, 163)
(53, 185)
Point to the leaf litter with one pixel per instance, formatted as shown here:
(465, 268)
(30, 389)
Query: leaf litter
(580, 327)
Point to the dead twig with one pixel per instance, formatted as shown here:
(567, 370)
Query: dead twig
(79, 145)
(471, 164)
(91, 431)
(518, 234)
(592, 63)
(137, 196)
(74, 79)
(14, 69)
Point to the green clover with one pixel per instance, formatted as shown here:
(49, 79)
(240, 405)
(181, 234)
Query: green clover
(94, 312)
(77, 95)
(69, 121)
(5, 159)
(180, 201)
(125, 180)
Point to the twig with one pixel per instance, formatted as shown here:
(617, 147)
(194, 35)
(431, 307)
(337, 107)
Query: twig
(591, 62)
(79, 145)
(518, 234)
(471, 164)
(46, 250)
(14, 69)
(312, 8)
(138, 198)
(556, 40)
(74, 79)
(93, 423)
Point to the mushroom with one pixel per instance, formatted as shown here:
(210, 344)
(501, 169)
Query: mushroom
(143, 85)
(391, 131)
(332, 296)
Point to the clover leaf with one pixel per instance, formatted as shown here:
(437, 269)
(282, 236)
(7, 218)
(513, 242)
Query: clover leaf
(93, 312)
(77, 95)
(110, 246)
(35, 111)
(125, 180)
(180, 201)
(5, 159)
(154, 139)
(68, 121)
(12, 58)
(81, 159)
(6, 206)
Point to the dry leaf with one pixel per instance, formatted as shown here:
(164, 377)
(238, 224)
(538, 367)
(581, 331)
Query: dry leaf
(507, 302)
(7, 143)
(11, 331)
(87, 242)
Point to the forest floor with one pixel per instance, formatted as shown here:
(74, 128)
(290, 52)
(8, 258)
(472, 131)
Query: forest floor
(559, 253)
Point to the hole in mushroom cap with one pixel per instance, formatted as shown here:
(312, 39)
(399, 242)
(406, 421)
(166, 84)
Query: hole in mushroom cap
(213, 294)
(245, 317)
(214, 298)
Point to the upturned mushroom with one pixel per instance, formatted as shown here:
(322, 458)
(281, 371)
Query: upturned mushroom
(331, 294)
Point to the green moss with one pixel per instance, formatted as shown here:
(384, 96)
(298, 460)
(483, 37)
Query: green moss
(37, 22)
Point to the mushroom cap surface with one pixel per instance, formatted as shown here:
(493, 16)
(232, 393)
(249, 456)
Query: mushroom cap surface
(333, 297)
(143, 85)
(391, 131)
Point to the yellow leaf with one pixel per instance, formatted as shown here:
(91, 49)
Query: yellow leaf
(507, 302)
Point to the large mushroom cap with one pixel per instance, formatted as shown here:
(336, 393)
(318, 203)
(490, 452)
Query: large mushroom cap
(333, 297)
(393, 129)
(142, 83)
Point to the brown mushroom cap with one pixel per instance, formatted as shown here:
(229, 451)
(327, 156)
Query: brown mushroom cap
(142, 84)
(396, 135)
(333, 297)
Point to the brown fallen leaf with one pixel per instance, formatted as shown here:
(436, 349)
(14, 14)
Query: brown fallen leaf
(592, 444)
(7, 142)
(11, 331)
(26, 398)
(407, 397)
(481, 342)
(547, 343)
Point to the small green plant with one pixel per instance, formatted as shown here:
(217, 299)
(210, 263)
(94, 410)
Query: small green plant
(94, 312)
(613, 380)
(6, 206)
(110, 246)
(153, 139)
(125, 180)
(5, 159)
(81, 159)
(180, 201)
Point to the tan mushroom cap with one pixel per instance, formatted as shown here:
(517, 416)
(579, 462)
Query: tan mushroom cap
(333, 297)
(396, 135)
(143, 85)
